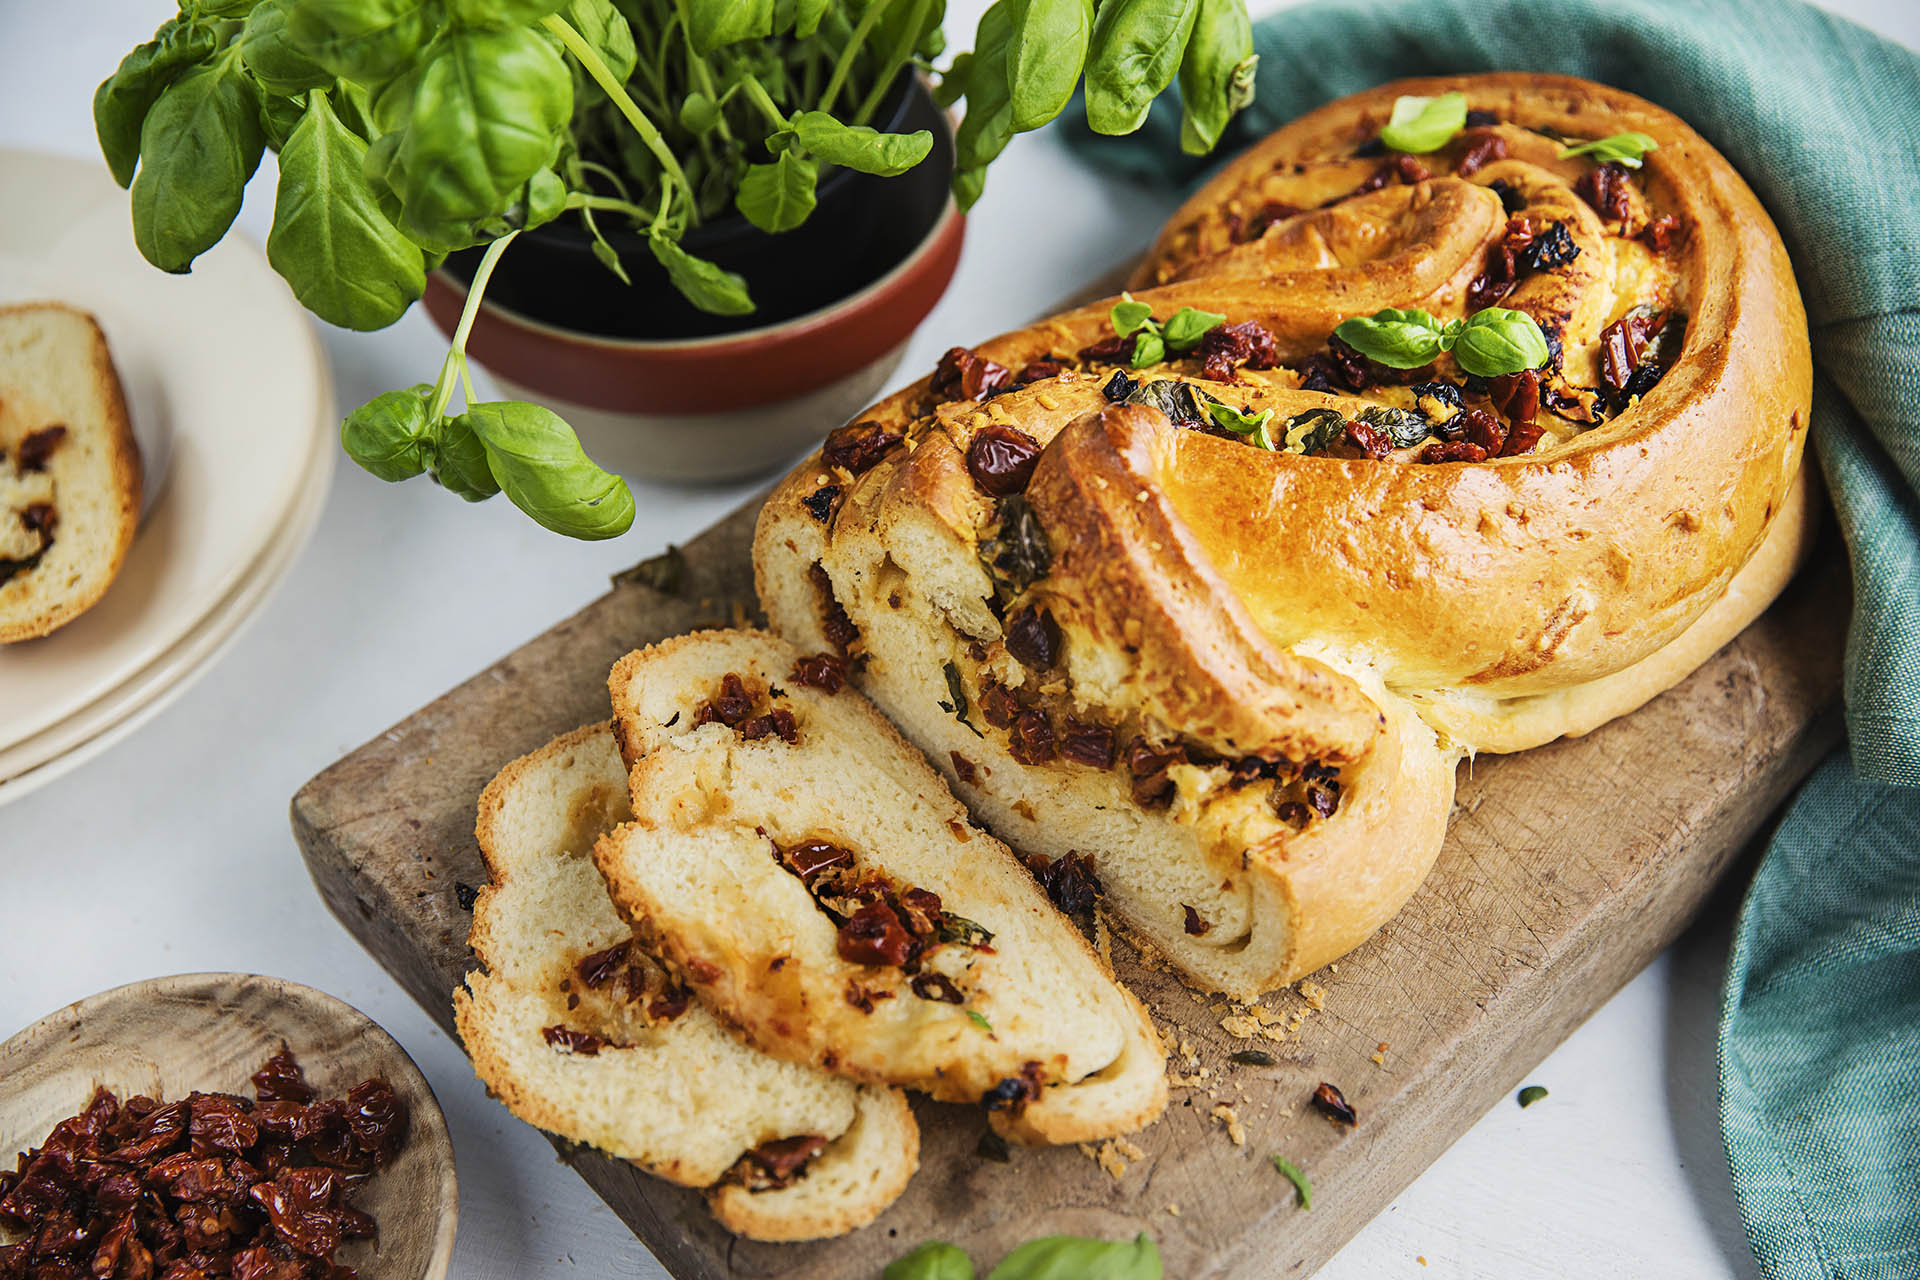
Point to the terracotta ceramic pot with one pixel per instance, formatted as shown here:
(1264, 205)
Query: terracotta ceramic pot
(659, 391)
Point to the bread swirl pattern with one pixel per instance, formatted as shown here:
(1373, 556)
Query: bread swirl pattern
(1239, 678)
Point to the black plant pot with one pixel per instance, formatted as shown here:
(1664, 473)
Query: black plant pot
(861, 228)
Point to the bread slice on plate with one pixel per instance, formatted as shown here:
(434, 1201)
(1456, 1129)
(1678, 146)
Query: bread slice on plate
(823, 891)
(578, 1029)
(69, 468)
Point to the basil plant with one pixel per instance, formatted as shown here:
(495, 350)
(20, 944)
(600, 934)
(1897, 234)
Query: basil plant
(409, 129)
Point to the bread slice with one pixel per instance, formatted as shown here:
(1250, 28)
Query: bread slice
(69, 468)
(987, 995)
(609, 1062)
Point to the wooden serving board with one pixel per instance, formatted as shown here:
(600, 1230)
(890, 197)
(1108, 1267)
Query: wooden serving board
(1566, 869)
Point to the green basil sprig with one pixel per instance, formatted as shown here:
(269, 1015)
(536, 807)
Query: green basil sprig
(1622, 148)
(1302, 1189)
(1049, 1258)
(935, 1260)
(1153, 340)
(1487, 344)
(1420, 125)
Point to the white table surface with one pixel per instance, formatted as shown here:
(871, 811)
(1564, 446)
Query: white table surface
(171, 851)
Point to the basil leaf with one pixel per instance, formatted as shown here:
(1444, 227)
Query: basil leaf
(1176, 399)
(714, 23)
(1217, 73)
(198, 147)
(1128, 315)
(1148, 349)
(1044, 57)
(542, 469)
(1302, 1189)
(501, 13)
(121, 103)
(1076, 1258)
(486, 117)
(1136, 48)
(778, 197)
(1497, 341)
(858, 147)
(707, 286)
(389, 435)
(1188, 326)
(1406, 429)
(606, 31)
(346, 263)
(460, 462)
(1622, 148)
(1236, 420)
(802, 17)
(934, 1261)
(979, 1020)
(1312, 430)
(1398, 339)
(1420, 125)
(274, 60)
(988, 125)
(953, 82)
(699, 113)
(364, 40)
(1532, 1094)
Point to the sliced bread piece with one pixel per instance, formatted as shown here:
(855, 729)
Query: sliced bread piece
(579, 1030)
(823, 891)
(69, 468)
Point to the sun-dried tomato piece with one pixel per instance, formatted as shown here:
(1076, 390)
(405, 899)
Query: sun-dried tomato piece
(1088, 744)
(810, 858)
(1607, 189)
(568, 1040)
(858, 445)
(1661, 233)
(1481, 428)
(280, 1079)
(1195, 926)
(919, 910)
(1516, 395)
(1453, 451)
(378, 1119)
(1242, 230)
(1152, 784)
(1069, 881)
(1482, 150)
(1041, 370)
(1001, 459)
(36, 447)
(1114, 350)
(937, 987)
(219, 1124)
(1227, 347)
(823, 671)
(1370, 440)
(874, 935)
(160, 1132)
(1031, 741)
(998, 705)
(1330, 1100)
(780, 1162)
(963, 374)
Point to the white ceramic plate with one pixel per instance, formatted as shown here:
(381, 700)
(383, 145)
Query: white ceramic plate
(28, 765)
(224, 378)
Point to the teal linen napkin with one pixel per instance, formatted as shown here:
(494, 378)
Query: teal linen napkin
(1820, 1027)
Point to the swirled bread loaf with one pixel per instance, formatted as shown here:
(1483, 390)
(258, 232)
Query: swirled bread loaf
(1236, 669)
(577, 1027)
(825, 893)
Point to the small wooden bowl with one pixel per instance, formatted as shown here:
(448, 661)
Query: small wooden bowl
(211, 1031)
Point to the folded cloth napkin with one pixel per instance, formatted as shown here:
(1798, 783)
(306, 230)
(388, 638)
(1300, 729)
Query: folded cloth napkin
(1820, 1029)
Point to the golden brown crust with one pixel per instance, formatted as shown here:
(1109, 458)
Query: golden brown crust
(1314, 608)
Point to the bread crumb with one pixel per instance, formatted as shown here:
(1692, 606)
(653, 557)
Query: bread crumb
(1267, 1017)
(1275, 1034)
(1241, 1027)
(1109, 1158)
(1174, 1209)
(1314, 994)
(1226, 1115)
(1128, 1149)
(1178, 1081)
(1379, 1059)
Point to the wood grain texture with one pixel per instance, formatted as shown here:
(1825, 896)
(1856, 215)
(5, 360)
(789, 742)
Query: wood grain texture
(1566, 869)
(167, 1037)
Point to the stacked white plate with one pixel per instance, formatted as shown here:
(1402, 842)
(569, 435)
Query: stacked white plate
(232, 403)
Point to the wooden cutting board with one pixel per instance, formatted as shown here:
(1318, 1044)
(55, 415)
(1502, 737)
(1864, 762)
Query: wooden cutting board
(1566, 869)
